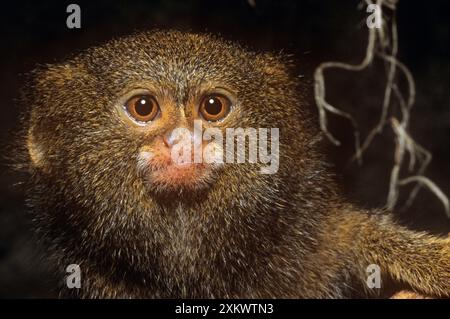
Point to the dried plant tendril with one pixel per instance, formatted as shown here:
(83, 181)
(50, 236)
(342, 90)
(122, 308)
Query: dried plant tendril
(383, 44)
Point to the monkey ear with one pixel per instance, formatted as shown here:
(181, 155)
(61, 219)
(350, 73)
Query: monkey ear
(35, 151)
(46, 82)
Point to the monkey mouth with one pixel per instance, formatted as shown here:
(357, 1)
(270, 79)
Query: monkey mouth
(161, 173)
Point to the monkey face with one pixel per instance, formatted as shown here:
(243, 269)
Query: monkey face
(176, 155)
(143, 114)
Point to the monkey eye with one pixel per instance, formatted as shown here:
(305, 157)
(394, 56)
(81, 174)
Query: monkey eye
(142, 108)
(214, 107)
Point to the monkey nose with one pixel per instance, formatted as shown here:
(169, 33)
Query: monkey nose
(180, 135)
(171, 138)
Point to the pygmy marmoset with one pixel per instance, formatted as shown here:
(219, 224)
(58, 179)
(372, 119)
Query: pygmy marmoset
(106, 193)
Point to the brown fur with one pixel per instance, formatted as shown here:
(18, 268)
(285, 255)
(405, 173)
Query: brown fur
(290, 234)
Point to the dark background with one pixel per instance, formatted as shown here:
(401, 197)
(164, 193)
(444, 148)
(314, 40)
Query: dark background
(313, 31)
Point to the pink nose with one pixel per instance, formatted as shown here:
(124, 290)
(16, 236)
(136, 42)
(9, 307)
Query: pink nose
(176, 136)
(182, 140)
(181, 135)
